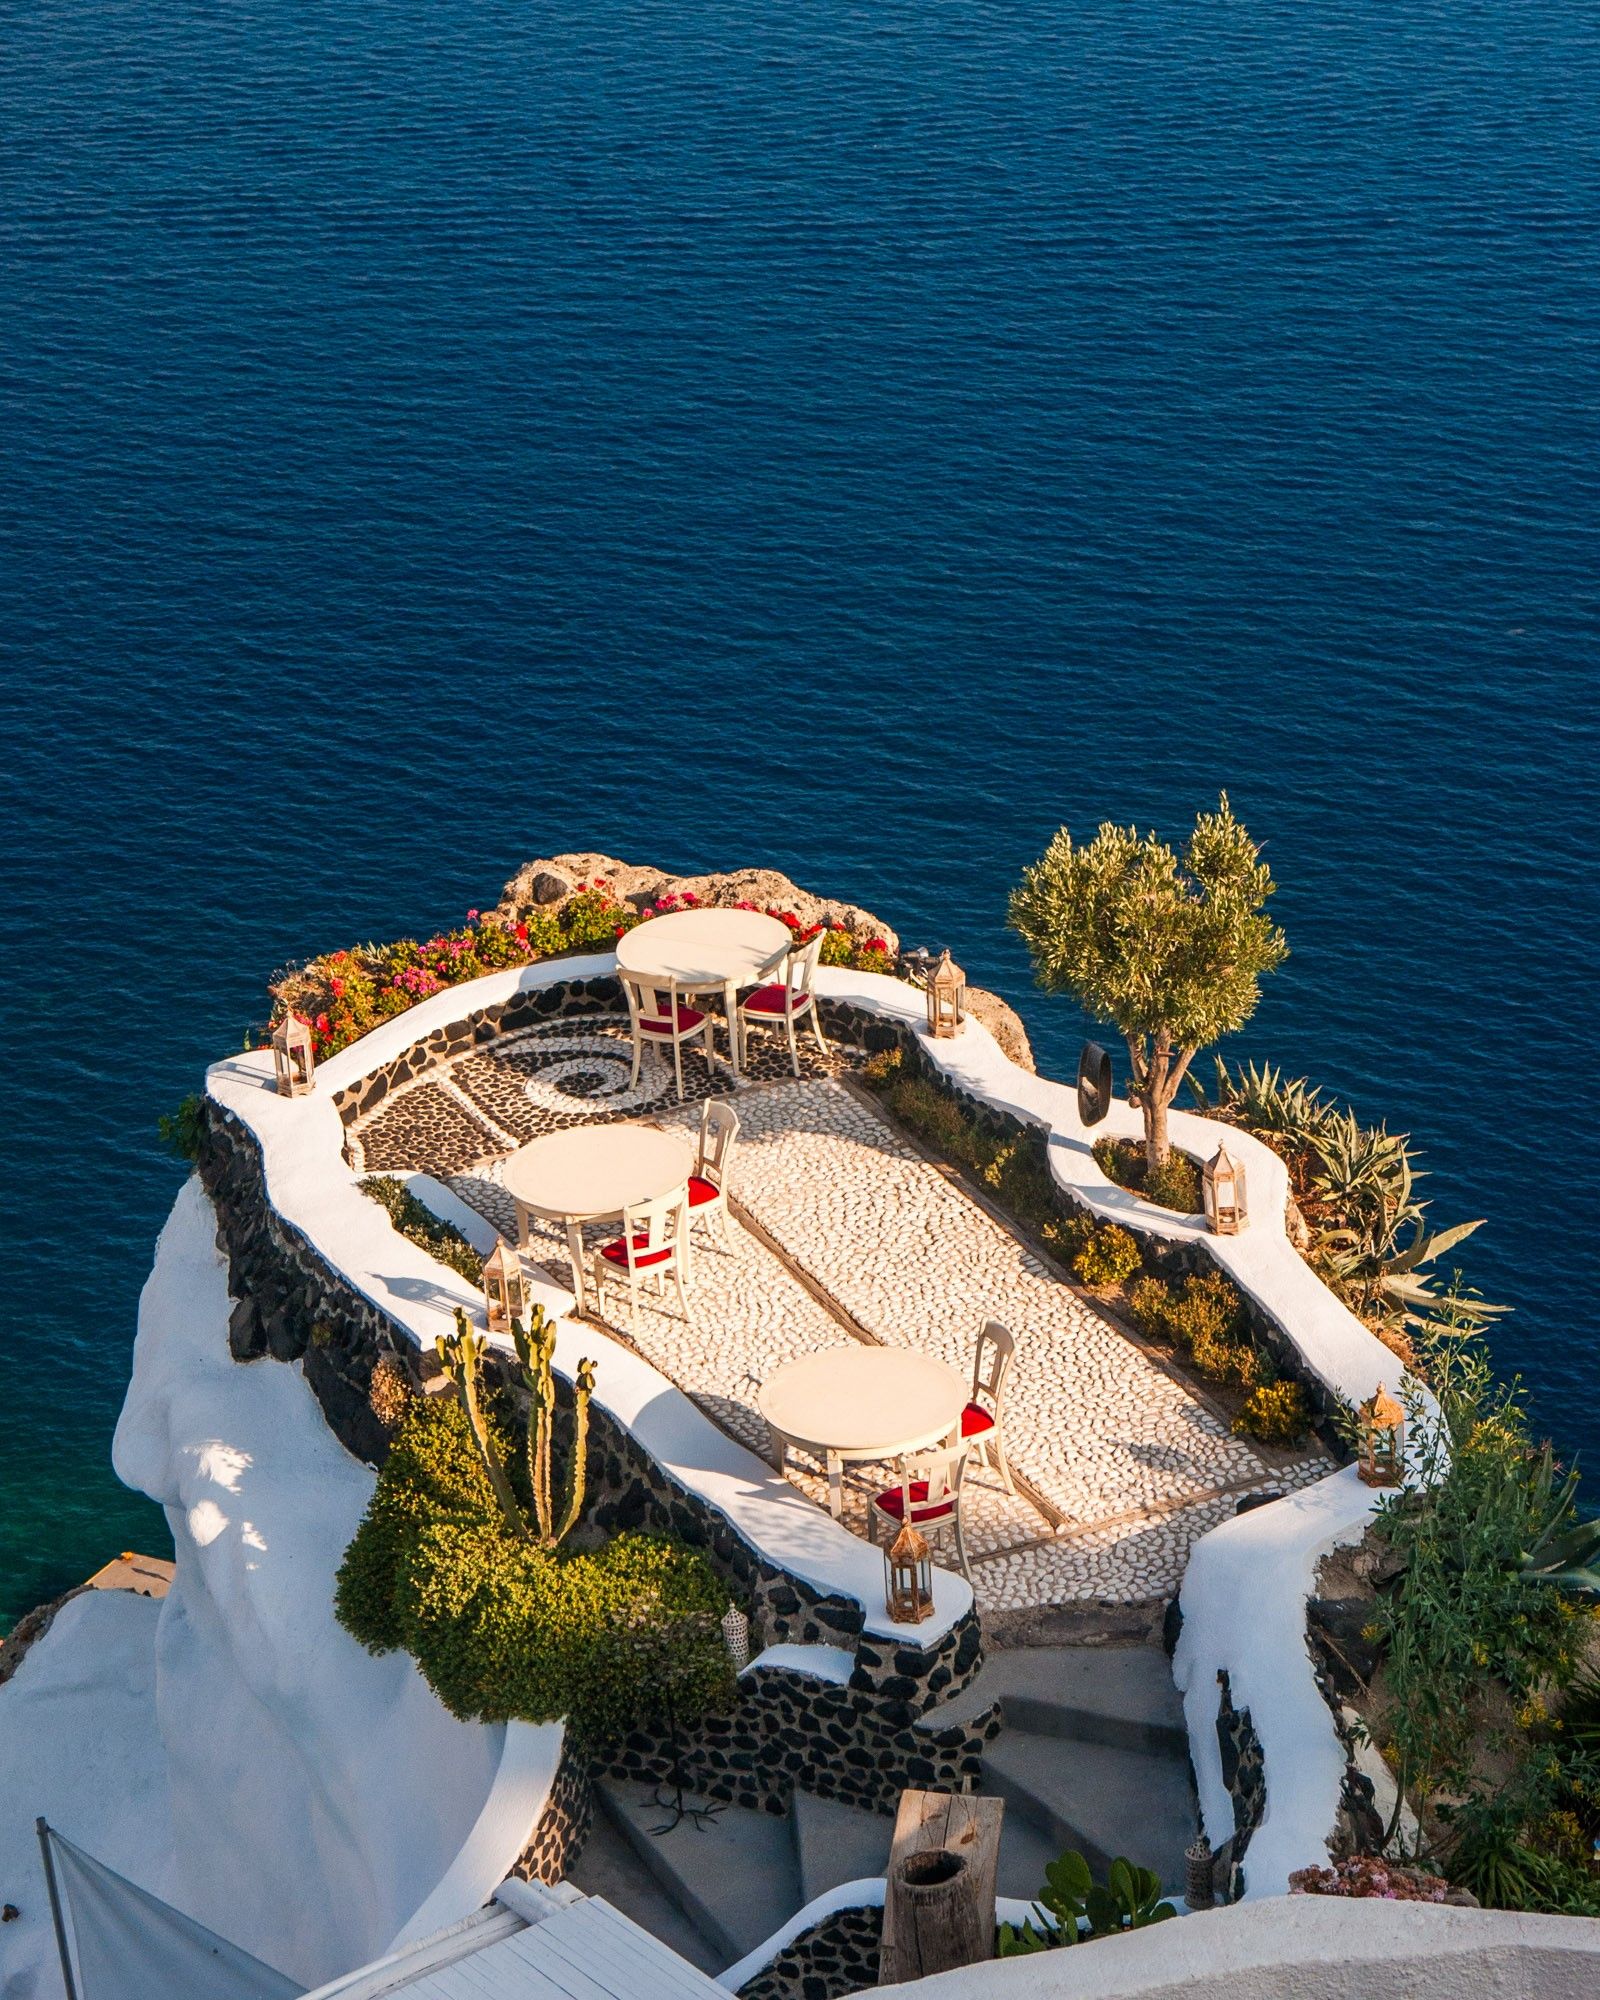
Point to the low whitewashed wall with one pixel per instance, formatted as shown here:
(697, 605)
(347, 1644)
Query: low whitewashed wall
(1244, 1596)
(1304, 1948)
(314, 1189)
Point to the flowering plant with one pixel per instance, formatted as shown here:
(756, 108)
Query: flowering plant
(1370, 1875)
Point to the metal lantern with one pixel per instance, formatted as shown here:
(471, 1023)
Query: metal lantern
(1382, 1430)
(908, 1578)
(947, 992)
(505, 1289)
(736, 1637)
(1094, 1083)
(293, 1055)
(1222, 1184)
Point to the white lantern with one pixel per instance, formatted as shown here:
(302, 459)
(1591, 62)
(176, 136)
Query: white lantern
(293, 1055)
(947, 991)
(1222, 1185)
(736, 1637)
(505, 1290)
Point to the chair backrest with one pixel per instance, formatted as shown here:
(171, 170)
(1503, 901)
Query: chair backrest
(800, 964)
(943, 1471)
(719, 1127)
(661, 1223)
(991, 1364)
(647, 1000)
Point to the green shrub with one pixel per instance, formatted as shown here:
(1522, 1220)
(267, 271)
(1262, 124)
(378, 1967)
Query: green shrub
(419, 1225)
(501, 1628)
(182, 1130)
(1109, 1256)
(1204, 1317)
(1175, 1183)
(1276, 1413)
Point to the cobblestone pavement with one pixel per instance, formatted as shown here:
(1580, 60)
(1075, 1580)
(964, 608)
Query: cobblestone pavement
(1125, 1456)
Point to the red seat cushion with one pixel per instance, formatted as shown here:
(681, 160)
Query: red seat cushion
(776, 1000)
(891, 1502)
(701, 1191)
(617, 1253)
(661, 1024)
(975, 1419)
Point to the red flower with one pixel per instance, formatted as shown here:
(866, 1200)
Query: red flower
(521, 933)
(620, 929)
(875, 944)
(336, 988)
(321, 1024)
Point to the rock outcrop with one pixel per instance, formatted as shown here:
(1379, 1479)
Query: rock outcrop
(547, 884)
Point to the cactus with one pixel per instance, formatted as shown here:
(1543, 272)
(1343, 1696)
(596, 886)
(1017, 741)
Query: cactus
(461, 1357)
(536, 1346)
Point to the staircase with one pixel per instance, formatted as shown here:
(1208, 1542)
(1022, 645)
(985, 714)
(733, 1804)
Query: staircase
(1093, 1755)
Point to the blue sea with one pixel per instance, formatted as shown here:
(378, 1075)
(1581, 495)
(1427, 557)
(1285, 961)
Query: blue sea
(852, 437)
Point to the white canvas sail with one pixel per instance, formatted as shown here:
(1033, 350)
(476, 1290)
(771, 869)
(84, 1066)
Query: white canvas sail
(126, 1944)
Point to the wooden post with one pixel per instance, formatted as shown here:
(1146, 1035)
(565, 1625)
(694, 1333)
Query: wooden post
(938, 1906)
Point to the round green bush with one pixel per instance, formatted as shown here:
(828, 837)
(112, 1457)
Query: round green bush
(1110, 1256)
(603, 1638)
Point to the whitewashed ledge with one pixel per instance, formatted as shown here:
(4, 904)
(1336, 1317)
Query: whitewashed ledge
(1247, 1581)
(315, 1191)
(1244, 1593)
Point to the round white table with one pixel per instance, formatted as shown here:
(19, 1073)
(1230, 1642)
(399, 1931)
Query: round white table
(705, 950)
(861, 1403)
(591, 1173)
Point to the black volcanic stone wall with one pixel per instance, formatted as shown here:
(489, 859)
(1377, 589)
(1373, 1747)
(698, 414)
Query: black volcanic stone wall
(563, 1826)
(839, 1955)
(505, 1017)
(1244, 1773)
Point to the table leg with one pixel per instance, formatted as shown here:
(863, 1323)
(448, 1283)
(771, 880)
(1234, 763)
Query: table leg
(835, 1486)
(524, 1233)
(575, 1252)
(730, 1000)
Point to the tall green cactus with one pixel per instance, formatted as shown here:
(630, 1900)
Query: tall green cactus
(536, 1346)
(461, 1357)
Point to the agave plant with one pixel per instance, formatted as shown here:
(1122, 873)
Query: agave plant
(1128, 1900)
(1259, 1098)
(1566, 1551)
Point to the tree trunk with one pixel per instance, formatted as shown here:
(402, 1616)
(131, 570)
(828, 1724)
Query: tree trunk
(1157, 1146)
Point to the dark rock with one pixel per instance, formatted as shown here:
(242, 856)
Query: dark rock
(247, 1340)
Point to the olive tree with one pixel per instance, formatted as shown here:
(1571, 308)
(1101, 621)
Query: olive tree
(1169, 950)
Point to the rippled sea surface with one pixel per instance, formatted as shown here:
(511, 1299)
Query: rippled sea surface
(852, 437)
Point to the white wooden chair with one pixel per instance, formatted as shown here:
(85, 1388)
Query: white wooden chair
(708, 1183)
(929, 1495)
(654, 1243)
(781, 1004)
(981, 1420)
(659, 1016)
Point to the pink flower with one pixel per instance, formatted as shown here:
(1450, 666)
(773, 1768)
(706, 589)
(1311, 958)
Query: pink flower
(472, 916)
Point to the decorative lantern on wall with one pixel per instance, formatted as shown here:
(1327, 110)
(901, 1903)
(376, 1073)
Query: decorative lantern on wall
(505, 1290)
(1222, 1184)
(293, 1055)
(1382, 1434)
(736, 1637)
(908, 1575)
(1094, 1083)
(947, 993)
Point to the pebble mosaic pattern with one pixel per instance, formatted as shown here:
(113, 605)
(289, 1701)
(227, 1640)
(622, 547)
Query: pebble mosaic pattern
(1133, 1463)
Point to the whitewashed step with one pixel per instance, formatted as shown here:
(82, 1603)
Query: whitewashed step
(609, 1866)
(1118, 1695)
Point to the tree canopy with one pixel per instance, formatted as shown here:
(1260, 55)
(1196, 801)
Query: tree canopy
(1168, 949)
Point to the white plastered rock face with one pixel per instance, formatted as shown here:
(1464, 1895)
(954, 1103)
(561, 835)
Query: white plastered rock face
(233, 1749)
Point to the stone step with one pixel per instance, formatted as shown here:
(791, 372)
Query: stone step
(1100, 1798)
(1119, 1695)
(735, 1876)
(608, 1866)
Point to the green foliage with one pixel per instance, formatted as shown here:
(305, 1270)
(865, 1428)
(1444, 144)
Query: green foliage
(1275, 1412)
(1073, 1905)
(1109, 1256)
(1480, 1626)
(181, 1131)
(1170, 951)
(419, 1225)
(503, 1628)
(1171, 1183)
(536, 1349)
(1203, 1317)
(1263, 1101)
